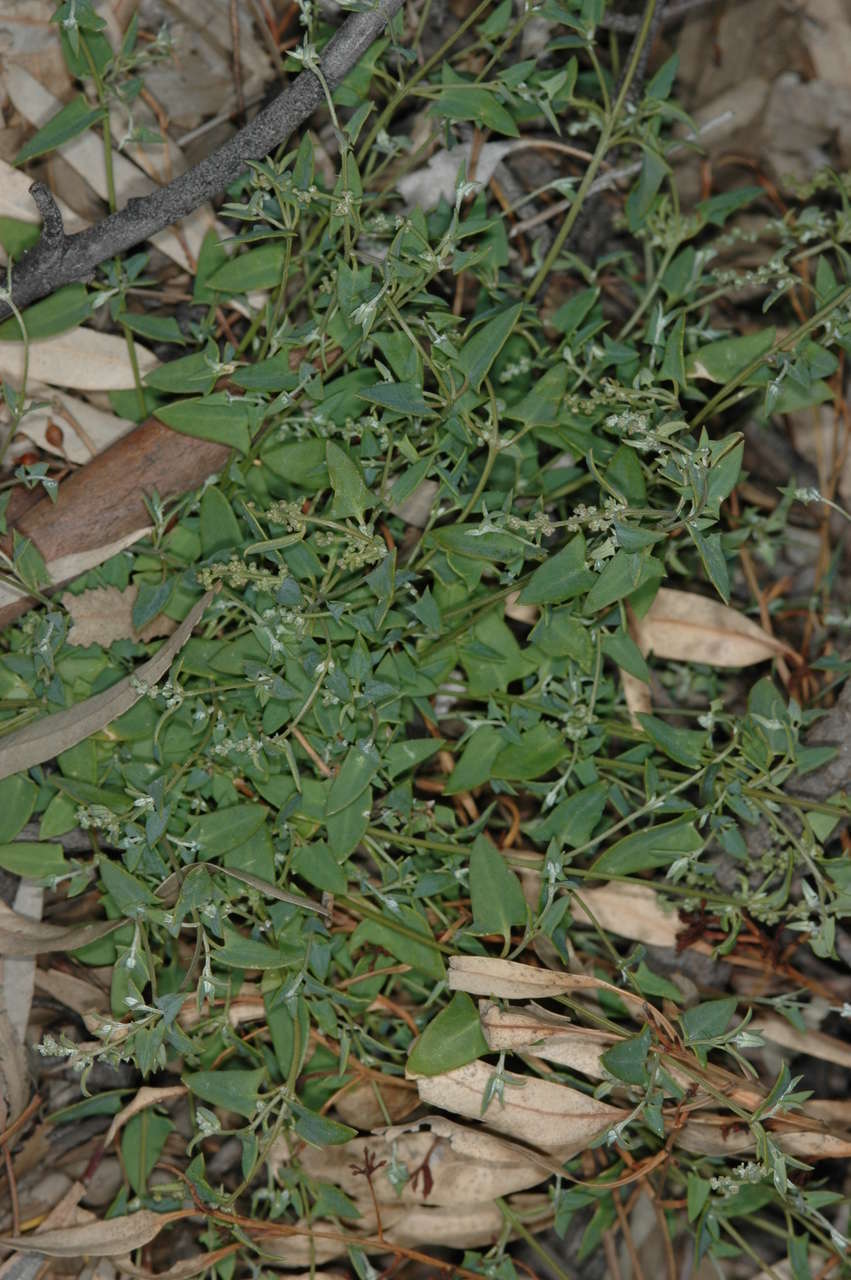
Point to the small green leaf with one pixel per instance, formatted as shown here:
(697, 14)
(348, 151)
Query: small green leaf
(401, 397)
(246, 953)
(232, 1090)
(574, 819)
(479, 352)
(652, 985)
(625, 573)
(495, 892)
(622, 649)
(627, 1060)
(219, 526)
(130, 895)
(68, 123)
(64, 309)
(33, 859)
(707, 1021)
(697, 1193)
(259, 268)
(720, 361)
(686, 746)
(450, 1040)
(657, 846)
(142, 1143)
(561, 577)
(213, 417)
(17, 801)
(713, 559)
(319, 1130)
(418, 951)
(351, 496)
(356, 772)
(154, 328)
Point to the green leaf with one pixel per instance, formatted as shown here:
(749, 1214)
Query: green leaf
(470, 540)
(225, 829)
(319, 1130)
(624, 574)
(686, 746)
(154, 328)
(213, 417)
(538, 751)
(246, 953)
(130, 895)
(561, 577)
(640, 199)
(627, 1060)
(219, 526)
(697, 1193)
(356, 772)
(33, 859)
(673, 362)
(657, 846)
(707, 1021)
(495, 892)
(622, 649)
(479, 352)
(68, 123)
(419, 951)
(16, 236)
(17, 801)
(186, 374)
(351, 496)
(722, 360)
(474, 767)
(652, 985)
(142, 1142)
(260, 268)
(317, 865)
(450, 1040)
(401, 397)
(713, 559)
(572, 822)
(232, 1090)
(64, 309)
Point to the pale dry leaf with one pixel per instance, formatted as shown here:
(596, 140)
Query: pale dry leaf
(464, 1166)
(64, 568)
(45, 738)
(86, 430)
(187, 1267)
(637, 697)
(814, 1043)
(629, 910)
(14, 1079)
(82, 359)
(691, 628)
(61, 1215)
(22, 937)
(102, 615)
(537, 1112)
(360, 1107)
(417, 508)
(719, 1138)
(438, 178)
(18, 972)
(75, 993)
(98, 1239)
(547, 1036)
(147, 1096)
(16, 201)
(528, 613)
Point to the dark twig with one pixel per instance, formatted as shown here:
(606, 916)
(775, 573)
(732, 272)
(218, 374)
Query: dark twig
(627, 23)
(59, 259)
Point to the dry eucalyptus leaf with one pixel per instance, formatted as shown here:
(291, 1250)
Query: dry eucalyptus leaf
(14, 1078)
(637, 697)
(538, 1112)
(628, 910)
(546, 1036)
(459, 1165)
(703, 1137)
(96, 1239)
(64, 568)
(22, 937)
(80, 358)
(17, 973)
(86, 430)
(75, 993)
(187, 1267)
(690, 628)
(360, 1108)
(438, 178)
(104, 614)
(147, 1096)
(814, 1043)
(44, 739)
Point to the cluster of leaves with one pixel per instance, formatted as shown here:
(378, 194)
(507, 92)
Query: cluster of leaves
(358, 719)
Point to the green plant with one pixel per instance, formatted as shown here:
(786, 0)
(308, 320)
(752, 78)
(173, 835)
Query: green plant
(447, 513)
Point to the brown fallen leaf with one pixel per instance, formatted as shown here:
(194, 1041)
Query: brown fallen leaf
(17, 973)
(702, 1137)
(22, 937)
(546, 1035)
(104, 614)
(45, 738)
(97, 1239)
(360, 1108)
(690, 628)
(629, 910)
(147, 1096)
(83, 359)
(75, 993)
(814, 1043)
(637, 697)
(85, 431)
(549, 1116)
(186, 1268)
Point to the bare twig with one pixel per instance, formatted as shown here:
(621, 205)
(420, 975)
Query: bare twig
(58, 258)
(629, 23)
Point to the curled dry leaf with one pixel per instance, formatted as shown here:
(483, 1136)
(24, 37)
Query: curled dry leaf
(97, 1239)
(186, 1268)
(44, 739)
(551, 1117)
(629, 910)
(64, 568)
(148, 1096)
(22, 937)
(85, 430)
(104, 614)
(717, 1137)
(546, 1035)
(17, 973)
(692, 628)
(75, 993)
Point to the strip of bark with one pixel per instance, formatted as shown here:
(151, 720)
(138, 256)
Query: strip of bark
(59, 259)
